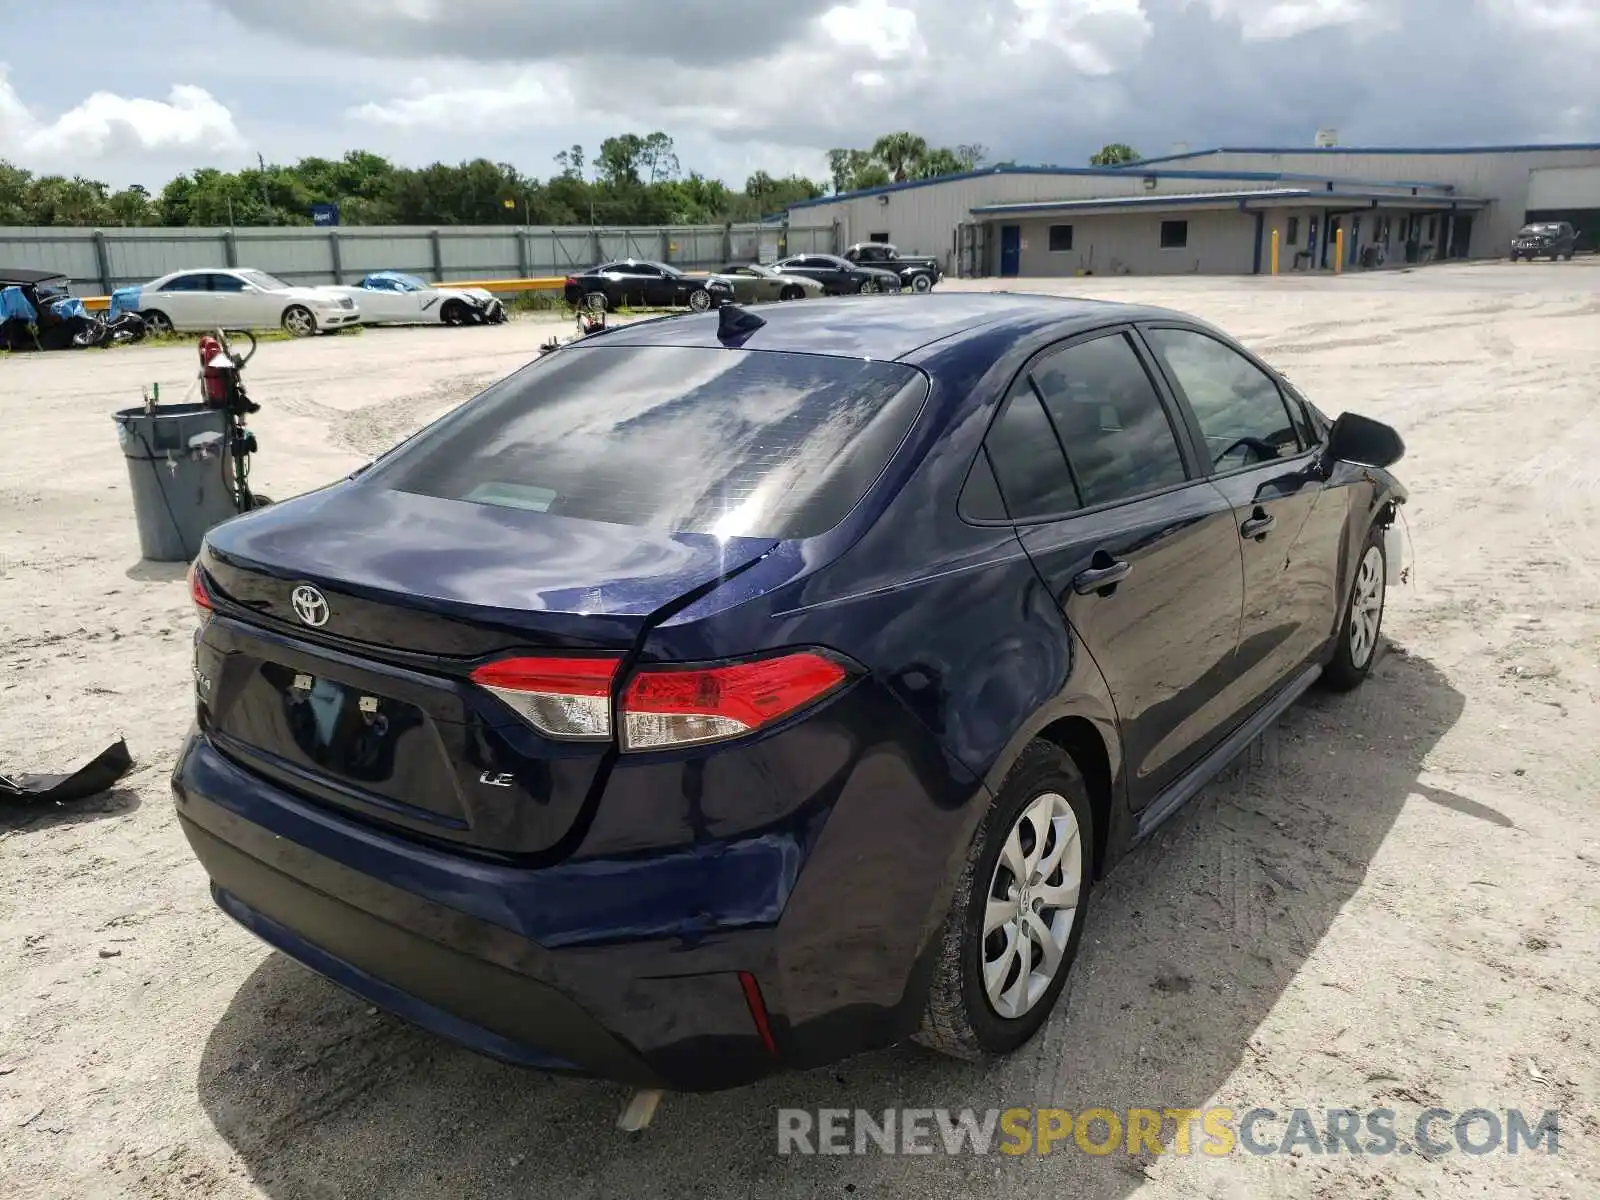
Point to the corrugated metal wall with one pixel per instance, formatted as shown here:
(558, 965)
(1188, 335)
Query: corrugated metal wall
(99, 260)
(923, 220)
(1498, 175)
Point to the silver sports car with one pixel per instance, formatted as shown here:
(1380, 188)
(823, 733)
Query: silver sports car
(753, 283)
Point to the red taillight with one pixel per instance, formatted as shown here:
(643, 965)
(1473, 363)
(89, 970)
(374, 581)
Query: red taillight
(680, 706)
(563, 697)
(197, 589)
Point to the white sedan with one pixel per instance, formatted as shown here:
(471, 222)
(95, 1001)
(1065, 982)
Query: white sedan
(393, 297)
(222, 298)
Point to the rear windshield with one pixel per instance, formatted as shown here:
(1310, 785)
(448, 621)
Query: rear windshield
(735, 443)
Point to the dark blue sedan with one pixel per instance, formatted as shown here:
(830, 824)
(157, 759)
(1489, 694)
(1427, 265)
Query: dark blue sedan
(749, 689)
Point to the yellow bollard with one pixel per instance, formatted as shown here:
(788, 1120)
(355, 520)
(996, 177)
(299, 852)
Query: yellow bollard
(1274, 251)
(1338, 252)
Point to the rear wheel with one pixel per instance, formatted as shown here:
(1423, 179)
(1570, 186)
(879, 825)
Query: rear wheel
(298, 321)
(792, 292)
(1357, 645)
(1018, 912)
(156, 322)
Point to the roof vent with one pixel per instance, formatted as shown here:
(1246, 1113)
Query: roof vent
(734, 323)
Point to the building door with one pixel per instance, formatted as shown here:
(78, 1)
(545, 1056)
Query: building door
(1460, 236)
(1010, 249)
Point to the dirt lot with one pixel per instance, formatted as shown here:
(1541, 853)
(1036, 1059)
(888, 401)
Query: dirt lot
(1392, 902)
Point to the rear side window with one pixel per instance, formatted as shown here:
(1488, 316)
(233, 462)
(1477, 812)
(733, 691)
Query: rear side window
(1027, 459)
(735, 443)
(1110, 419)
(1239, 407)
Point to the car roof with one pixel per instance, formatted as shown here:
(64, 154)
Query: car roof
(881, 327)
(23, 275)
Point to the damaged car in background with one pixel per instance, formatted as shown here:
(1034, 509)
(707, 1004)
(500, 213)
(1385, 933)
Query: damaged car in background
(396, 298)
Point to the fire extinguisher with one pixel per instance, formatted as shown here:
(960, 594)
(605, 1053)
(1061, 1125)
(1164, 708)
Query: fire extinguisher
(214, 377)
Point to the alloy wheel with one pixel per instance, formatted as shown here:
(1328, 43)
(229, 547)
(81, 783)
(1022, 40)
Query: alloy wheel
(1366, 607)
(1031, 905)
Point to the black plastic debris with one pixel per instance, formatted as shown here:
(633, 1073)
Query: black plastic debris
(110, 765)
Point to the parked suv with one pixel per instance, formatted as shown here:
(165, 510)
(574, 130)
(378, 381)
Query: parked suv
(1552, 239)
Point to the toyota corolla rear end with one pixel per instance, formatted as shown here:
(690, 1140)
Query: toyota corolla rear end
(505, 735)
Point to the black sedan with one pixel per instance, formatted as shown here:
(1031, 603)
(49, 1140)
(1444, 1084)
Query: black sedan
(745, 690)
(645, 284)
(838, 276)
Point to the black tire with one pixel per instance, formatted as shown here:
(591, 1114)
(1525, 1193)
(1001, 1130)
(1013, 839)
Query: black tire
(959, 1019)
(792, 292)
(156, 322)
(867, 287)
(922, 283)
(1350, 666)
(454, 312)
(700, 300)
(1513, 256)
(299, 321)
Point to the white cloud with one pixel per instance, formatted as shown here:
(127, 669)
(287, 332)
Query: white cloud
(882, 30)
(530, 99)
(106, 125)
(1097, 37)
(1270, 20)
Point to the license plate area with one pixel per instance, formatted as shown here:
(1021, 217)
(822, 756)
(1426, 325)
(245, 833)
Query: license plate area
(345, 730)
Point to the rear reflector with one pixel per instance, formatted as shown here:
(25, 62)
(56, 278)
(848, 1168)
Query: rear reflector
(758, 1011)
(681, 706)
(562, 697)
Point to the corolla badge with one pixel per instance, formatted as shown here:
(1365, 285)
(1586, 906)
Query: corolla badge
(310, 605)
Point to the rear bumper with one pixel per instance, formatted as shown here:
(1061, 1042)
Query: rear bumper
(439, 941)
(627, 966)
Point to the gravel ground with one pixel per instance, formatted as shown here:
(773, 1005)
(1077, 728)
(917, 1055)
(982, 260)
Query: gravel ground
(1390, 901)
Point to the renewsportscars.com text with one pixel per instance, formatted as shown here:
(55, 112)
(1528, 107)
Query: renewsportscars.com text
(1214, 1132)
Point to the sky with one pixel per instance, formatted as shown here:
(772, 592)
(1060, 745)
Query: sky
(141, 92)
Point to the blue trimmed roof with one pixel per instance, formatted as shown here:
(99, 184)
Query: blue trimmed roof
(1261, 176)
(1335, 150)
(1239, 198)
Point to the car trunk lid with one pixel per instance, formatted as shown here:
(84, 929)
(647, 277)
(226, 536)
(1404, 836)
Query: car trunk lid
(348, 624)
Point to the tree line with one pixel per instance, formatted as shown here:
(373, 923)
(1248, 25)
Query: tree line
(632, 179)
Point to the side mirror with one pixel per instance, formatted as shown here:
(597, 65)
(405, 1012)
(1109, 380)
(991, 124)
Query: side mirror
(1365, 442)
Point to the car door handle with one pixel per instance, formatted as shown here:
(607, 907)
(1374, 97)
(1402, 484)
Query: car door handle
(1097, 579)
(1258, 524)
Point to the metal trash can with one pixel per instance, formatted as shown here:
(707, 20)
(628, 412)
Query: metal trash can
(175, 464)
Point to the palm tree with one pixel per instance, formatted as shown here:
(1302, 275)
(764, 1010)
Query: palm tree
(899, 153)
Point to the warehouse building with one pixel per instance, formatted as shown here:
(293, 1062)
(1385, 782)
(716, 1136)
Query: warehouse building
(1217, 211)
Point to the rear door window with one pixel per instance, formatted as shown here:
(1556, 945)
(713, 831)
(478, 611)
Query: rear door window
(1110, 419)
(1027, 459)
(683, 439)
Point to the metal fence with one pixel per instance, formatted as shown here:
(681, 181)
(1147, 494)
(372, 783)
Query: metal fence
(98, 260)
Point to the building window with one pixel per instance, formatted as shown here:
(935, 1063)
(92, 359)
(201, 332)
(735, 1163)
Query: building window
(1174, 235)
(881, 238)
(1294, 231)
(1060, 238)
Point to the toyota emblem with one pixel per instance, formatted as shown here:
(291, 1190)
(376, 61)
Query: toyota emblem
(310, 605)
